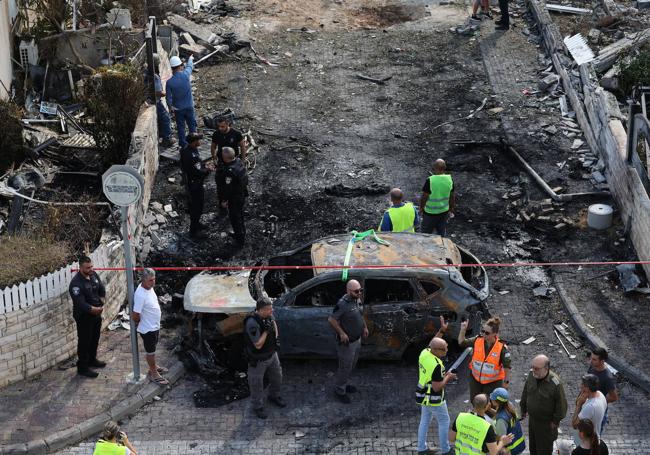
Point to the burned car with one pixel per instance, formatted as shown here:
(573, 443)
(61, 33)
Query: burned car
(408, 284)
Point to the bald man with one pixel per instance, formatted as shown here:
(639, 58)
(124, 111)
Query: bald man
(349, 325)
(473, 433)
(232, 189)
(544, 401)
(430, 394)
(400, 217)
(438, 200)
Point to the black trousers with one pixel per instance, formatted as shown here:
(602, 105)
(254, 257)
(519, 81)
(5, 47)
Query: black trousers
(197, 196)
(236, 215)
(88, 329)
(503, 7)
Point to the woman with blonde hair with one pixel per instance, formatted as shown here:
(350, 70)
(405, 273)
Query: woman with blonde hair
(490, 362)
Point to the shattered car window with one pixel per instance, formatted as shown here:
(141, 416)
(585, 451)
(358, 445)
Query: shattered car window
(387, 291)
(322, 294)
(429, 287)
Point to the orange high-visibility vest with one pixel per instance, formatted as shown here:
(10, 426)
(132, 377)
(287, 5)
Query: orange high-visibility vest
(487, 368)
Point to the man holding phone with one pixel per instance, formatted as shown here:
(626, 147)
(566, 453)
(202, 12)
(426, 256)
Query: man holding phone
(349, 325)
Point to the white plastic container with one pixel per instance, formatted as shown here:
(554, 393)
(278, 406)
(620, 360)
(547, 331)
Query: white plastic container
(599, 216)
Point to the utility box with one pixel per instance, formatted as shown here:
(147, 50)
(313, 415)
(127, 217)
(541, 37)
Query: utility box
(28, 51)
(120, 18)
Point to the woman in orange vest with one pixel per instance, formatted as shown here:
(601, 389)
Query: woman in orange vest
(490, 363)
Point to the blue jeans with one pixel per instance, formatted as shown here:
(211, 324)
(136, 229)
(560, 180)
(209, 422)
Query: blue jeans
(184, 116)
(605, 422)
(164, 122)
(442, 416)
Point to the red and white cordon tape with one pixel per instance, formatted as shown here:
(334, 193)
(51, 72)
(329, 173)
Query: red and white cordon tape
(226, 268)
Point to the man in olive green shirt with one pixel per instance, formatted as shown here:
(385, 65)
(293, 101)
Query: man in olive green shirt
(544, 401)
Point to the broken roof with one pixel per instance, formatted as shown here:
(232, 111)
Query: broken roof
(404, 249)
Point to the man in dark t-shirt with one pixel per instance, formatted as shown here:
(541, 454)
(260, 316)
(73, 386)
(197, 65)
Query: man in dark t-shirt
(225, 136)
(349, 325)
(606, 380)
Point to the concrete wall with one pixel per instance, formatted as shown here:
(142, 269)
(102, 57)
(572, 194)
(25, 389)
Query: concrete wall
(143, 156)
(36, 326)
(623, 179)
(5, 50)
(93, 44)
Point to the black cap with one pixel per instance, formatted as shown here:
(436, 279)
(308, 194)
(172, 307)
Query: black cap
(193, 137)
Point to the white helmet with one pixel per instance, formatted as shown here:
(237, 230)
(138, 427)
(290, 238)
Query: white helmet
(175, 61)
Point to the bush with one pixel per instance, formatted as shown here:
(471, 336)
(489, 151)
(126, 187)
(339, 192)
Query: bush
(113, 96)
(27, 257)
(11, 139)
(636, 72)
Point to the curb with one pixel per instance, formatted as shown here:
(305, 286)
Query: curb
(60, 439)
(636, 376)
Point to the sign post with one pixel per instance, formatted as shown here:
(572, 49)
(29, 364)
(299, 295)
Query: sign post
(123, 186)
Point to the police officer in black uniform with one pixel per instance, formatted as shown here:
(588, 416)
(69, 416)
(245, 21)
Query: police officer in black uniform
(233, 188)
(87, 292)
(194, 172)
(261, 340)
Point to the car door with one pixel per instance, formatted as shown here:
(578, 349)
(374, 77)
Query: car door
(391, 311)
(302, 318)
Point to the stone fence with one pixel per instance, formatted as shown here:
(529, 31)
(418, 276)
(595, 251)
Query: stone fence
(36, 326)
(600, 120)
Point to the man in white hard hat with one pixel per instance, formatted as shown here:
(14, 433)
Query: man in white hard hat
(179, 97)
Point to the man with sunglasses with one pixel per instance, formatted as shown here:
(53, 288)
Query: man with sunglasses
(349, 325)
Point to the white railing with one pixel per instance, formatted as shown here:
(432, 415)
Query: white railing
(37, 290)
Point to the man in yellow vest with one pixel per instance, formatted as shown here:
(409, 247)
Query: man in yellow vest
(400, 217)
(430, 394)
(473, 434)
(438, 200)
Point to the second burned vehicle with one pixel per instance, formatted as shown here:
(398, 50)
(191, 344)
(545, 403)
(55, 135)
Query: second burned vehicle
(402, 306)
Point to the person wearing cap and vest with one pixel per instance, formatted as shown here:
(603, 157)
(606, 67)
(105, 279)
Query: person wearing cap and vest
(430, 394)
(114, 441)
(400, 217)
(438, 200)
(473, 435)
(261, 339)
(506, 420)
(179, 97)
(490, 363)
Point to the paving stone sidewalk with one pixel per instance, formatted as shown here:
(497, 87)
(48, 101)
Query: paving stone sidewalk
(58, 398)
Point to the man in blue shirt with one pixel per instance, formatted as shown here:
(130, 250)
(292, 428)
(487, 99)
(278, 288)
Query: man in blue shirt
(179, 97)
(395, 220)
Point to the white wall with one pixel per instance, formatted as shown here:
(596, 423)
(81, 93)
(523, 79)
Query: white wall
(5, 49)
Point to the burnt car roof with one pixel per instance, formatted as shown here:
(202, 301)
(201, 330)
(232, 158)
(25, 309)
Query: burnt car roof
(403, 249)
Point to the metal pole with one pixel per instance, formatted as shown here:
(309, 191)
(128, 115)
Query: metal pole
(128, 264)
(74, 14)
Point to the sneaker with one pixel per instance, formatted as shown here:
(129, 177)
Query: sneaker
(97, 364)
(345, 399)
(260, 413)
(166, 142)
(487, 14)
(350, 389)
(474, 17)
(278, 401)
(428, 452)
(502, 27)
(88, 373)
